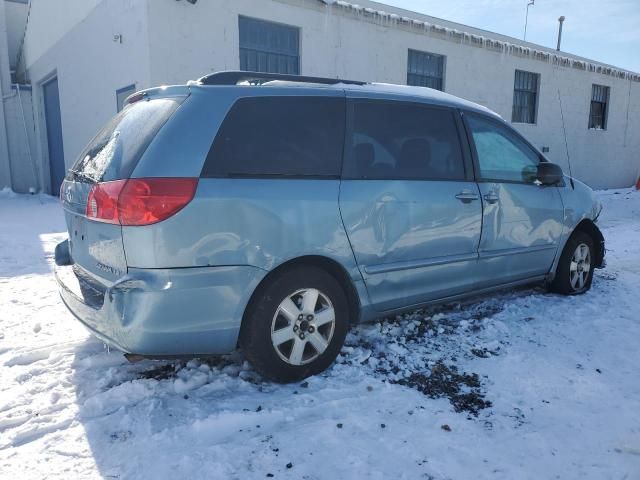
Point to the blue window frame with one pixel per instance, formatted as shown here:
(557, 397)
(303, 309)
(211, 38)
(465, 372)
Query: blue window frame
(425, 69)
(269, 47)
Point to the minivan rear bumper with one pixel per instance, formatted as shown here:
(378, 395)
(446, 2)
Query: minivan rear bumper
(163, 312)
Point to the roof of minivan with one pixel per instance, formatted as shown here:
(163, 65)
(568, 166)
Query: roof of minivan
(429, 94)
(393, 91)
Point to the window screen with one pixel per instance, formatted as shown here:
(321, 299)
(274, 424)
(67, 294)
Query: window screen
(269, 47)
(279, 136)
(393, 140)
(598, 111)
(425, 69)
(502, 155)
(525, 97)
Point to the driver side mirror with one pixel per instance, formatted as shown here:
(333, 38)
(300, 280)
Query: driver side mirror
(549, 173)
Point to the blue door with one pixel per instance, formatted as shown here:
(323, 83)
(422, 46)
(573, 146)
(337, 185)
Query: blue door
(54, 134)
(522, 219)
(409, 203)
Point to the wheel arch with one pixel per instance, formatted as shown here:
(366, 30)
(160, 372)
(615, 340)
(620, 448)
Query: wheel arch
(590, 228)
(334, 268)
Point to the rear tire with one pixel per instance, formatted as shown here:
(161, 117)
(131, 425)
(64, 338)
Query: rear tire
(574, 273)
(296, 324)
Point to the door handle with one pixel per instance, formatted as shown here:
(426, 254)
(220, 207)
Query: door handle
(467, 196)
(491, 197)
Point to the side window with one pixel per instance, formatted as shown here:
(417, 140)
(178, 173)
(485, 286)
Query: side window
(394, 140)
(279, 136)
(502, 156)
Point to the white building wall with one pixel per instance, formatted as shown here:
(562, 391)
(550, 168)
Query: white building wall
(16, 14)
(91, 63)
(49, 22)
(188, 41)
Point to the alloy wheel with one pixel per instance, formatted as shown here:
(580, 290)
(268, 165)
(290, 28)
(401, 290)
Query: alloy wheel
(303, 326)
(580, 267)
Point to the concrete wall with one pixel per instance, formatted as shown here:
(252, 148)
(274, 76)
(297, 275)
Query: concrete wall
(190, 40)
(49, 22)
(90, 66)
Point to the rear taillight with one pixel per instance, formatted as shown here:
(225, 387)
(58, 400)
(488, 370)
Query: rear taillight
(139, 201)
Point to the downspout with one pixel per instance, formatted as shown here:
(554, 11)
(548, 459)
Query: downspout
(36, 176)
(4, 146)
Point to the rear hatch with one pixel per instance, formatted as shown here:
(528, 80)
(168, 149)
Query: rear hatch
(97, 247)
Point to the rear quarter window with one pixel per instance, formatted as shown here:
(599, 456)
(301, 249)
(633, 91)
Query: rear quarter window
(285, 136)
(114, 152)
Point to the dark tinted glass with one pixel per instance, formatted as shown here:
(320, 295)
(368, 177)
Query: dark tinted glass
(393, 140)
(116, 149)
(279, 136)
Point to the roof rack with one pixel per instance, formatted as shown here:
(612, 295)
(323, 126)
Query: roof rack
(233, 77)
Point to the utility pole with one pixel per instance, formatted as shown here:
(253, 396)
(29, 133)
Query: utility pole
(526, 18)
(561, 20)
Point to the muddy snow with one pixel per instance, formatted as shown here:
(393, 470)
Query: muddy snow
(522, 384)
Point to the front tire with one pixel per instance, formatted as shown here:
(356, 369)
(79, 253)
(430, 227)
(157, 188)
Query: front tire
(575, 268)
(295, 325)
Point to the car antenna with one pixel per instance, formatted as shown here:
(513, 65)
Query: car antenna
(566, 145)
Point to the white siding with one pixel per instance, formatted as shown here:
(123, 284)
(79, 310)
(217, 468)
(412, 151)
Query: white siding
(49, 22)
(16, 21)
(90, 67)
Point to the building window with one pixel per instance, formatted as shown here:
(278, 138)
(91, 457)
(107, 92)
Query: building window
(269, 47)
(122, 94)
(425, 70)
(598, 111)
(525, 97)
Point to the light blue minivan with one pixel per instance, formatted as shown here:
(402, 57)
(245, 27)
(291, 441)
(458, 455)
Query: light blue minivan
(273, 211)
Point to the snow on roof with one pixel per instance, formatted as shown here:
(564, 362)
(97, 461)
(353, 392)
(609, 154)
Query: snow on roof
(464, 34)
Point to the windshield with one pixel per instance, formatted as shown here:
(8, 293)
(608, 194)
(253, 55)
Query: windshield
(116, 149)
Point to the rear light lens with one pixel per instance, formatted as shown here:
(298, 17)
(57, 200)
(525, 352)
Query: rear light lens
(102, 204)
(139, 201)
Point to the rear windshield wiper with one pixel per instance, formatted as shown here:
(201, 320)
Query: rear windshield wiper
(82, 176)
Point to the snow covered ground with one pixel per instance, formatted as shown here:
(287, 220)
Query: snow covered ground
(522, 384)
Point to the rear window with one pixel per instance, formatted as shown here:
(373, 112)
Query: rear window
(403, 141)
(116, 149)
(279, 136)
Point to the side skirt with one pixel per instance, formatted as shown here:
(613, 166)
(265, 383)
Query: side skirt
(371, 315)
